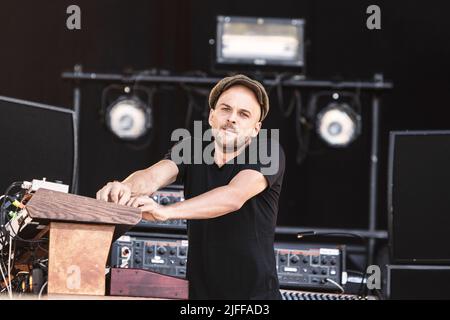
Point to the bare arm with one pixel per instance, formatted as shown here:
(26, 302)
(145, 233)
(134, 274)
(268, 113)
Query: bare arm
(147, 181)
(214, 203)
(141, 182)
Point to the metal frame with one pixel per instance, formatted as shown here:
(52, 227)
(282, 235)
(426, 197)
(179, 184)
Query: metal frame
(375, 87)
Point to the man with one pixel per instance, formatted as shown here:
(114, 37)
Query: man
(231, 207)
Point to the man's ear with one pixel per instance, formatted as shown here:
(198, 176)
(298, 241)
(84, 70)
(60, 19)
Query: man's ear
(211, 110)
(256, 129)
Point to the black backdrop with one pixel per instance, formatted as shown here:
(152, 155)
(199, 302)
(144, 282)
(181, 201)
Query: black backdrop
(330, 189)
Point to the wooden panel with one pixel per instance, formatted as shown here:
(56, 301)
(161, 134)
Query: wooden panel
(77, 258)
(59, 206)
(144, 283)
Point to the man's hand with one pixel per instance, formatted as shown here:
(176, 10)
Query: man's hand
(151, 210)
(116, 192)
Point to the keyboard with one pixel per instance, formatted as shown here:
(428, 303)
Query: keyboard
(307, 295)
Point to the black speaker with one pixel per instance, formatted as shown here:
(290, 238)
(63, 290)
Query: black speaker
(36, 141)
(419, 197)
(417, 282)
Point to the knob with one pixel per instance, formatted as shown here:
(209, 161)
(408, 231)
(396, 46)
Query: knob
(161, 250)
(125, 252)
(182, 262)
(305, 260)
(314, 271)
(164, 201)
(315, 260)
(295, 259)
(182, 252)
(137, 260)
(173, 251)
(324, 272)
(150, 250)
(283, 258)
(324, 260)
(333, 261)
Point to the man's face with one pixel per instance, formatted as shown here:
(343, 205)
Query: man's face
(235, 119)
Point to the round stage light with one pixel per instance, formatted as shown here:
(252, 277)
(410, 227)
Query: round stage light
(338, 124)
(129, 118)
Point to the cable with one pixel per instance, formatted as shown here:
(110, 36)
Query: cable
(4, 278)
(3, 232)
(75, 169)
(6, 282)
(2, 214)
(279, 78)
(13, 256)
(9, 261)
(42, 248)
(303, 136)
(42, 290)
(361, 290)
(336, 284)
(140, 75)
(18, 238)
(13, 238)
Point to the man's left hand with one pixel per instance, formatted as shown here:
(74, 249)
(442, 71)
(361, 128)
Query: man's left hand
(151, 210)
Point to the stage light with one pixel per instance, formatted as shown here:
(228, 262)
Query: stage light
(129, 118)
(260, 41)
(338, 124)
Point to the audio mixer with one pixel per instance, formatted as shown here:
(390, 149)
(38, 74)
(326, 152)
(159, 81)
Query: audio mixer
(298, 266)
(308, 266)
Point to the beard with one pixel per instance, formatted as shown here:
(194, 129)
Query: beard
(229, 139)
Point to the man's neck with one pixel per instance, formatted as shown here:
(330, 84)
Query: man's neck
(221, 156)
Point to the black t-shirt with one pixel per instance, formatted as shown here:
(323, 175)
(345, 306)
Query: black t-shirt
(232, 256)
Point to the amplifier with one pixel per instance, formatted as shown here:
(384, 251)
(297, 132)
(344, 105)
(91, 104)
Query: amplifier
(166, 196)
(298, 266)
(413, 282)
(310, 267)
(163, 255)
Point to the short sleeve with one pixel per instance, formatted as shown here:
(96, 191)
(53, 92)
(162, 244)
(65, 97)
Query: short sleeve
(270, 162)
(178, 154)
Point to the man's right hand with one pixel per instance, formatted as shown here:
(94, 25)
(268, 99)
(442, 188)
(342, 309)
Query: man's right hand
(116, 192)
